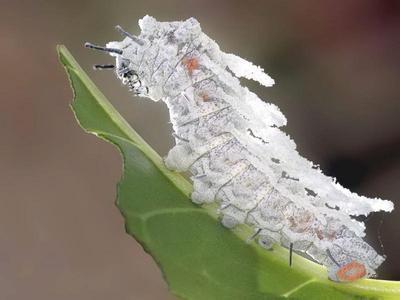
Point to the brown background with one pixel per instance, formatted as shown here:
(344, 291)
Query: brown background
(337, 68)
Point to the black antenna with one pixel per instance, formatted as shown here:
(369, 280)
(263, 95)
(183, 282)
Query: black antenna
(127, 34)
(254, 235)
(101, 48)
(331, 257)
(290, 254)
(103, 67)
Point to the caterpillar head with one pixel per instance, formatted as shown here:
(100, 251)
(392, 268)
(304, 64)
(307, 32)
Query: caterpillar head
(143, 62)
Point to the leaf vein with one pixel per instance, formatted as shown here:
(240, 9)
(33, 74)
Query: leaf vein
(177, 210)
(297, 288)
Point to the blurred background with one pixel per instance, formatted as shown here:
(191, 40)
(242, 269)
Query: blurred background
(337, 68)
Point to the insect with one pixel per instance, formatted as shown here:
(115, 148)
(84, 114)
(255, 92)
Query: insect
(238, 156)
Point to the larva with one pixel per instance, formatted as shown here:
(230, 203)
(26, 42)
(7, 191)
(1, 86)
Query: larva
(238, 156)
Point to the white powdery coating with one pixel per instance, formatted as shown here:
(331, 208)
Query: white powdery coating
(231, 143)
(244, 68)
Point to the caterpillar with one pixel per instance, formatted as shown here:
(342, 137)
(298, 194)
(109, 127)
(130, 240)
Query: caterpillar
(238, 157)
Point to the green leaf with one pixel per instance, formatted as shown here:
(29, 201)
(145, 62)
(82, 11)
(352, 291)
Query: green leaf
(199, 258)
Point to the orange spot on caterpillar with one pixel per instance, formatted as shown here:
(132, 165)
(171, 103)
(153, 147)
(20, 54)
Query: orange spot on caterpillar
(191, 64)
(351, 271)
(319, 234)
(330, 236)
(204, 96)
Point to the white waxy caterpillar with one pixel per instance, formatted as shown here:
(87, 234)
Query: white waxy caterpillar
(231, 143)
